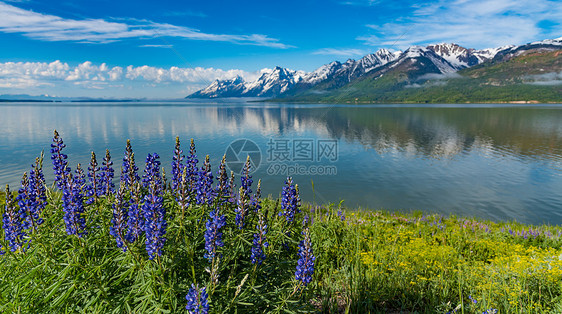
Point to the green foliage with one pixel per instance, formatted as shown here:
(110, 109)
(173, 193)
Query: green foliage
(62, 273)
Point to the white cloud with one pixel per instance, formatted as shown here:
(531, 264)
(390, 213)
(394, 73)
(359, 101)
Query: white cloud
(157, 46)
(339, 52)
(552, 78)
(473, 23)
(20, 75)
(54, 28)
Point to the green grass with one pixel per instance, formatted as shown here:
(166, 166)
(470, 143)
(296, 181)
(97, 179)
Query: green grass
(373, 261)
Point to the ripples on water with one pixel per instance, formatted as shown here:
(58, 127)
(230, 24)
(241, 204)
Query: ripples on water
(498, 162)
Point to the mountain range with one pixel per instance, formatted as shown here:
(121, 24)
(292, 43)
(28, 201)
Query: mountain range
(436, 73)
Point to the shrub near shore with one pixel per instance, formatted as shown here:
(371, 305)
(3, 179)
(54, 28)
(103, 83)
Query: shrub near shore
(197, 243)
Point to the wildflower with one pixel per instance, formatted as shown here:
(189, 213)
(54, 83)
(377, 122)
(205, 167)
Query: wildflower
(153, 208)
(260, 242)
(37, 193)
(73, 205)
(242, 208)
(256, 200)
(177, 165)
(197, 300)
(213, 234)
(473, 300)
(191, 165)
(60, 165)
(231, 187)
(490, 311)
(182, 193)
(305, 264)
(222, 180)
(135, 221)
(290, 200)
(246, 177)
(119, 223)
(13, 230)
(107, 174)
(341, 214)
(94, 189)
(204, 193)
(129, 170)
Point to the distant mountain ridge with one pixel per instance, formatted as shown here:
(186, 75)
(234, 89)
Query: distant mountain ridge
(384, 68)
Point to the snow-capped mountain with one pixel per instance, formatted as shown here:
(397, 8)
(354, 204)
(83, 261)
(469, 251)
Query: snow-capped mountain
(273, 83)
(414, 62)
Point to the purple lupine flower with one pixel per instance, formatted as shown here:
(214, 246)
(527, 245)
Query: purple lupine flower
(152, 171)
(183, 197)
(243, 207)
(305, 264)
(129, 171)
(260, 241)
(177, 165)
(25, 200)
(341, 214)
(256, 199)
(135, 221)
(473, 300)
(13, 230)
(38, 194)
(191, 165)
(197, 300)
(204, 194)
(94, 189)
(246, 178)
(222, 189)
(118, 227)
(231, 188)
(490, 311)
(153, 208)
(107, 174)
(213, 233)
(290, 201)
(73, 205)
(60, 165)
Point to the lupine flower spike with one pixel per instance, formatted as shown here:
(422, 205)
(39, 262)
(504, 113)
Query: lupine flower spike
(290, 201)
(205, 184)
(222, 181)
(73, 205)
(60, 165)
(246, 178)
(135, 221)
(107, 174)
(11, 223)
(242, 208)
(118, 227)
(260, 241)
(192, 172)
(177, 165)
(213, 233)
(37, 193)
(305, 264)
(94, 189)
(197, 300)
(256, 200)
(153, 208)
(129, 171)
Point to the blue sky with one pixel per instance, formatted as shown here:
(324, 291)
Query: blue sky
(167, 49)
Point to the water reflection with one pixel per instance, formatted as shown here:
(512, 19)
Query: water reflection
(492, 161)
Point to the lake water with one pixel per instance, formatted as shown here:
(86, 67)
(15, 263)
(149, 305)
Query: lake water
(500, 162)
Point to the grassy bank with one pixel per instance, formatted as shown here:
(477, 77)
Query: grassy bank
(367, 261)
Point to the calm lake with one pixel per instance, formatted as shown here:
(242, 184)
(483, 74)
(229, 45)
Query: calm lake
(500, 162)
